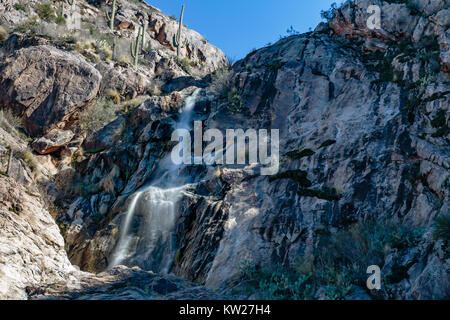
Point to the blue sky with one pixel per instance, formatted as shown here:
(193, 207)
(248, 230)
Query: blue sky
(238, 26)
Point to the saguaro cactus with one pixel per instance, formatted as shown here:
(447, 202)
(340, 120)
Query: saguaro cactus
(136, 47)
(112, 16)
(8, 170)
(114, 45)
(144, 31)
(177, 37)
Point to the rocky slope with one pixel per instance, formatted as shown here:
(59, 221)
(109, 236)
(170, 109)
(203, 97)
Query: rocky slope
(364, 156)
(49, 80)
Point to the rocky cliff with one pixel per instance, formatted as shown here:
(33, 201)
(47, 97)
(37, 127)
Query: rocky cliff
(363, 170)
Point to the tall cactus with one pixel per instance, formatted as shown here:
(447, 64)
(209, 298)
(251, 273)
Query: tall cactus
(177, 37)
(8, 170)
(144, 31)
(114, 45)
(112, 16)
(136, 48)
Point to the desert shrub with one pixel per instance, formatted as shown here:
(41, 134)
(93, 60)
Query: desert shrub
(103, 49)
(185, 65)
(60, 20)
(413, 8)
(9, 121)
(114, 95)
(439, 120)
(222, 81)
(46, 12)
(124, 61)
(235, 104)
(434, 65)
(98, 115)
(19, 6)
(130, 104)
(327, 143)
(3, 34)
(27, 156)
(299, 153)
(442, 227)
(155, 88)
(28, 26)
(280, 283)
(338, 263)
(329, 14)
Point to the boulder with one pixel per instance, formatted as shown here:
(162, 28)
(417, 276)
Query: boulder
(52, 141)
(46, 86)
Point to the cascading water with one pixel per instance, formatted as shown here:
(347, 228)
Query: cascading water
(147, 237)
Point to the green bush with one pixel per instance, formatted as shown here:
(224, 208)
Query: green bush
(60, 20)
(97, 116)
(442, 227)
(413, 8)
(234, 101)
(439, 120)
(329, 14)
(3, 34)
(327, 143)
(28, 26)
(299, 176)
(222, 81)
(9, 121)
(19, 6)
(300, 153)
(338, 263)
(185, 65)
(46, 12)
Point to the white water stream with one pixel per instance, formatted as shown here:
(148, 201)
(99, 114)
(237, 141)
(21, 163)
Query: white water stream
(147, 237)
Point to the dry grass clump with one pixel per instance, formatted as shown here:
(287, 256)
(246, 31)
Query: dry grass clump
(98, 115)
(114, 95)
(222, 82)
(3, 34)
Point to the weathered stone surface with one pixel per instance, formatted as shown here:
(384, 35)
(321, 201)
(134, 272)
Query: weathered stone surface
(128, 83)
(52, 141)
(122, 283)
(368, 105)
(31, 246)
(46, 86)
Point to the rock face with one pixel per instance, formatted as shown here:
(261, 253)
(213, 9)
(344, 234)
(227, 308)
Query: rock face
(372, 115)
(421, 18)
(364, 161)
(46, 86)
(31, 246)
(123, 283)
(52, 141)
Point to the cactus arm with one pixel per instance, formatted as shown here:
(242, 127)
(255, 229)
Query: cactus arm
(177, 37)
(144, 30)
(131, 49)
(111, 17)
(175, 43)
(135, 49)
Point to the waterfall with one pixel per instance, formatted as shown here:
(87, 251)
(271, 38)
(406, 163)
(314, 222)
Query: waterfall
(147, 237)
